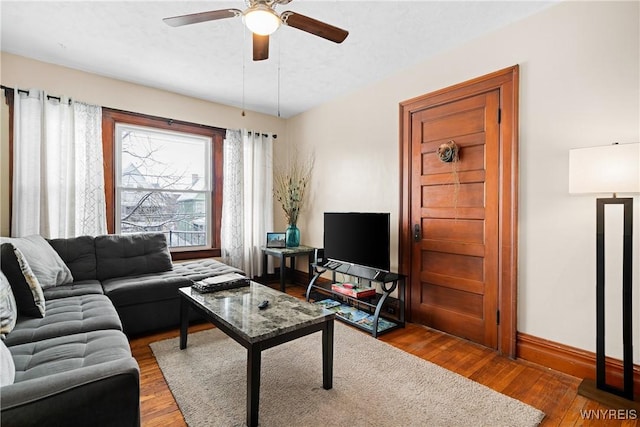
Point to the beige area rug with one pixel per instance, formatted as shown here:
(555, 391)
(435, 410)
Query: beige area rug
(374, 384)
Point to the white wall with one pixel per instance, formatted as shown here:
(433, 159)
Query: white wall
(24, 73)
(579, 87)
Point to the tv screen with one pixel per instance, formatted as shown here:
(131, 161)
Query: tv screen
(357, 237)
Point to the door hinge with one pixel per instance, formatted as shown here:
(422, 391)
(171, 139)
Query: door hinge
(499, 115)
(498, 317)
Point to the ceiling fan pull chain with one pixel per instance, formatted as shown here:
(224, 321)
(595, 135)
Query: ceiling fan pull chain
(244, 48)
(279, 57)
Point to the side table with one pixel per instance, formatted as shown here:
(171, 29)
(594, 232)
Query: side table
(282, 254)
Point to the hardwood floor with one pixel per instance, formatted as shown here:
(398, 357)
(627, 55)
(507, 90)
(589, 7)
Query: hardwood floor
(552, 392)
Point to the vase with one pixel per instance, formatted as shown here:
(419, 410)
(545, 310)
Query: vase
(293, 236)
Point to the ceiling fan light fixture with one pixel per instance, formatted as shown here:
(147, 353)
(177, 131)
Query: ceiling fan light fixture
(261, 19)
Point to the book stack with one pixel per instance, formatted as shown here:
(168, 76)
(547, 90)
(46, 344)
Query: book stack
(353, 291)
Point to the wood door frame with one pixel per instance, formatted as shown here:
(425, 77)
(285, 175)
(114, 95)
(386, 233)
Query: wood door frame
(506, 81)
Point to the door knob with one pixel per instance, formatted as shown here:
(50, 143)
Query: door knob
(417, 235)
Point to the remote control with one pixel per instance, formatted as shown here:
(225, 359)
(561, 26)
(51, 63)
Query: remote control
(263, 305)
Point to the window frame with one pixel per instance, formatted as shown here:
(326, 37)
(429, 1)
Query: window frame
(204, 142)
(111, 117)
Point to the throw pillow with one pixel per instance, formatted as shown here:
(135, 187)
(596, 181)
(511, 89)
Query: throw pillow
(25, 285)
(45, 262)
(7, 367)
(8, 308)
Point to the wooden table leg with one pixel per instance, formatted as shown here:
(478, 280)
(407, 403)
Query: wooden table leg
(254, 359)
(265, 266)
(327, 355)
(283, 272)
(184, 322)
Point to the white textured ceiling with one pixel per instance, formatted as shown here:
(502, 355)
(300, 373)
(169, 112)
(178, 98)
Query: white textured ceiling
(127, 40)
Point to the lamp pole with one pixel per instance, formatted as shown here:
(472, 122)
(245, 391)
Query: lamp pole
(627, 303)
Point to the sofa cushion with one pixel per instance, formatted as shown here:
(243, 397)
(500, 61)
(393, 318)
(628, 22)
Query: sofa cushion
(8, 307)
(79, 254)
(24, 284)
(200, 269)
(81, 287)
(67, 316)
(7, 367)
(41, 359)
(124, 291)
(43, 260)
(131, 255)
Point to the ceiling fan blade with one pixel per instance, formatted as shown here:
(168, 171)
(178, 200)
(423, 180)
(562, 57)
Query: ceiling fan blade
(314, 26)
(194, 18)
(260, 47)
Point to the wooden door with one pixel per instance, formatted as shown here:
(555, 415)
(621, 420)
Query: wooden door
(458, 231)
(454, 267)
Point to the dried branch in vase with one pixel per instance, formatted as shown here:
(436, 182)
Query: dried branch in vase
(290, 186)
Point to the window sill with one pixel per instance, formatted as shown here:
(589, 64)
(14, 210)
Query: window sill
(197, 254)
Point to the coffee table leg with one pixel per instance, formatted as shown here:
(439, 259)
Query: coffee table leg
(254, 359)
(184, 322)
(327, 355)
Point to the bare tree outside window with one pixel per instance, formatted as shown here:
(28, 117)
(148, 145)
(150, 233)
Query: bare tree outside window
(164, 185)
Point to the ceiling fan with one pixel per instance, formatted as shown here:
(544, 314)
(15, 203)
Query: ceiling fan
(262, 19)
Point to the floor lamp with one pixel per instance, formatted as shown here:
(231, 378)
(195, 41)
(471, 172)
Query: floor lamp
(601, 170)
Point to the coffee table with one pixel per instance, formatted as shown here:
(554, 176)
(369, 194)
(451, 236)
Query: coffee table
(236, 313)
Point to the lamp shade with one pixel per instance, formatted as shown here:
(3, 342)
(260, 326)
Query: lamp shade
(606, 169)
(261, 19)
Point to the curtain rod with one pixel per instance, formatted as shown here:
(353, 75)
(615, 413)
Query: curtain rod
(3, 87)
(264, 134)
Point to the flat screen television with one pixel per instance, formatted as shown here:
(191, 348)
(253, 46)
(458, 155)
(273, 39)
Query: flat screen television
(360, 238)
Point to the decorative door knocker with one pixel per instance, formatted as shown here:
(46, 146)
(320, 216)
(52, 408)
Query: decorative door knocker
(448, 152)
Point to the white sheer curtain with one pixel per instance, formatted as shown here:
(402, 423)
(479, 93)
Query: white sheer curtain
(231, 228)
(247, 206)
(58, 177)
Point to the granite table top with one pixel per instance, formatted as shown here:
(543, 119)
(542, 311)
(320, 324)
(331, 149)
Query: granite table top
(238, 310)
(298, 250)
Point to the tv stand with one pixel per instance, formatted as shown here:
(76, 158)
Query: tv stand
(375, 314)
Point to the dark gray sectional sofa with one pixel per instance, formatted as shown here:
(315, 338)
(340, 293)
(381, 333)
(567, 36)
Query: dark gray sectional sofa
(73, 366)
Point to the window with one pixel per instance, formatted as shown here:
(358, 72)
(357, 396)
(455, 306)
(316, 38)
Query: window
(163, 183)
(164, 176)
